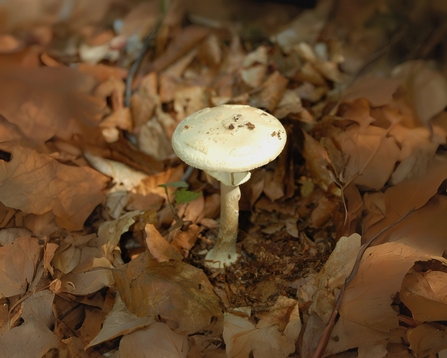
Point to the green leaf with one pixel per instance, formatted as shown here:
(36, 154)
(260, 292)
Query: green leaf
(175, 184)
(183, 196)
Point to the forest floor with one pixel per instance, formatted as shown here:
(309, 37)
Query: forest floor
(104, 231)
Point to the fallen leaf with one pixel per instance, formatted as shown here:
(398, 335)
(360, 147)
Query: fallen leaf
(33, 337)
(427, 339)
(367, 319)
(35, 183)
(423, 290)
(159, 248)
(18, 262)
(119, 321)
(191, 305)
(273, 336)
(367, 149)
(158, 340)
(45, 102)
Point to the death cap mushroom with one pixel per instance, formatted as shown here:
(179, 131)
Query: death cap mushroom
(229, 139)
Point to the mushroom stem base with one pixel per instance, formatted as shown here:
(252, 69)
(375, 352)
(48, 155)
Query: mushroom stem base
(224, 251)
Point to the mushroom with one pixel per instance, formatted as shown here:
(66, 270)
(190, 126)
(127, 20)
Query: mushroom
(227, 142)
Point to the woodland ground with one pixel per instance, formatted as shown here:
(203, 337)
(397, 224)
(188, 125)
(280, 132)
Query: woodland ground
(104, 230)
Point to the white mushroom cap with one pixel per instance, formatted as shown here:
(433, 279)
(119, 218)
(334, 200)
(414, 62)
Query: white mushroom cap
(229, 139)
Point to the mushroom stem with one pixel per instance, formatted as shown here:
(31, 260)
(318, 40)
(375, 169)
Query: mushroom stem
(224, 251)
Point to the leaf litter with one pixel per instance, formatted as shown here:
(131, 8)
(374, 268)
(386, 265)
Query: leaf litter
(104, 231)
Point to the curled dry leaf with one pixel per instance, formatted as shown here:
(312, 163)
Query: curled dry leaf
(274, 335)
(35, 183)
(18, 262)
(423, 290)
(191, 304)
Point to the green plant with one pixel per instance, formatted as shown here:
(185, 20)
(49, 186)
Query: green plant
(181, 196)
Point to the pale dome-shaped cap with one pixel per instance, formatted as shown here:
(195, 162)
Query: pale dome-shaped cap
(229, 139)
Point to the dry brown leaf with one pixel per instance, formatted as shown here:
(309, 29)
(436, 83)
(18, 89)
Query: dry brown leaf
(210, 52)
(317, 162)
(17, 265)
(371, 155)
(44, 102)
(418, 149)
(408, 195)
(35, 183)
(102, 72)
(255, 67)
(423, 290)
(109, 233)
(323, 211)
(182, 44)
(159, 248)
(305, 28)
(153, 140)
(119, 321)
(86, 283)
(191, 304)
(93, 321)
(289, 105)
(271, 92)
(188, 100)
(377, 90)
(367, 319)
(426, 340)
(158, 340)
(40, 307)
(33, 338)
(357, 110)
(323, 287)
(424, 89)
(274, 335)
